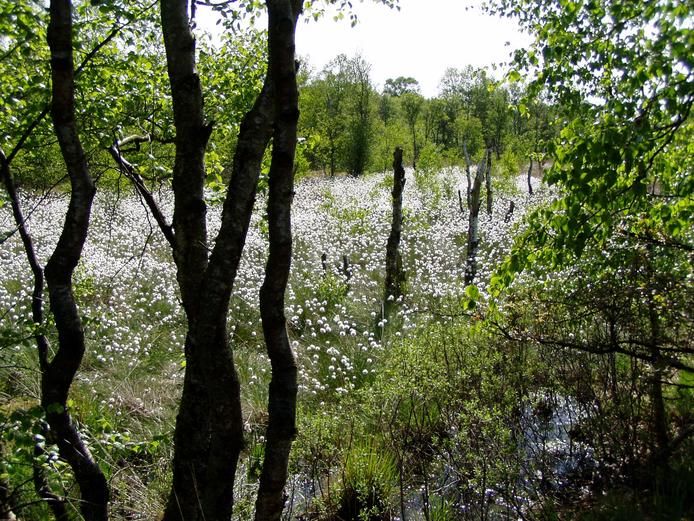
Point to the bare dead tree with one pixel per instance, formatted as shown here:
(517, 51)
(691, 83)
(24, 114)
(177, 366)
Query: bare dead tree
(488, 184)
(473, 238)
(509, 212)
(468, 165)
(394, 275)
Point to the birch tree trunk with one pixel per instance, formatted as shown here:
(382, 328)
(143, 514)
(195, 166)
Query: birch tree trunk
(209, 427)
(58, 374)
(281, 429)
(192, 436)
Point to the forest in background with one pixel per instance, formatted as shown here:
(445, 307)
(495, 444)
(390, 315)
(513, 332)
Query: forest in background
(500, 330)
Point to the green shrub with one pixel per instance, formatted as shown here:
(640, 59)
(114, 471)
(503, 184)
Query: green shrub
(430, 161)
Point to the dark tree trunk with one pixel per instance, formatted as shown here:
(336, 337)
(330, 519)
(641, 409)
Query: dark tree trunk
(89, 477)
(473, 239)
(209, 428)
(530, 173)
(193, 423)
(394, 276)
(192, 134)
(333, 153)
(281, 429)
(509, 212)
(346, 270)
(661, 436)
(209, 433)
(36, 268)
(226, 434)
(58, 374)
(488, 182)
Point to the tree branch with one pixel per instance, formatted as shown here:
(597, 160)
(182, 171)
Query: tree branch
(596, 349)
(36, 268)
(131, 173)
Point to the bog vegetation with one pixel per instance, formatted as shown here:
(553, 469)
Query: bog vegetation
(498, 328)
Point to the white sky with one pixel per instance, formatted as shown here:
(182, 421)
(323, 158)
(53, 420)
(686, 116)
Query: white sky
(421, 40)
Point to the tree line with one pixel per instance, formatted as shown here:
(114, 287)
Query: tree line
(349, 126)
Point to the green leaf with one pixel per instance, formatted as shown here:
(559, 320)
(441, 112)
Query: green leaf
(472, 292)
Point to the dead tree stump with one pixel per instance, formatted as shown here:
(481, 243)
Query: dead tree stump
(394, 272)
(473, 238)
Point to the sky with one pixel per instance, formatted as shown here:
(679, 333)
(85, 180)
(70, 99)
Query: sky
(421, 40)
